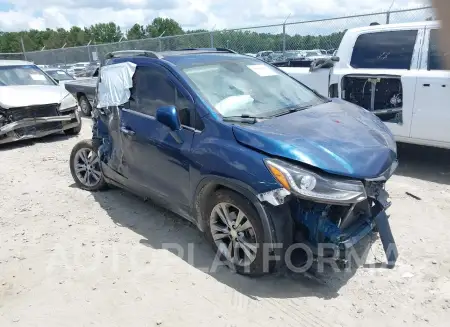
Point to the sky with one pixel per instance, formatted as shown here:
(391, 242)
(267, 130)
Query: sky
(18, 15)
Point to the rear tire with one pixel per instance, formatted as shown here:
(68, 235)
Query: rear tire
(85, 106)
(85, 167)
(234, 229)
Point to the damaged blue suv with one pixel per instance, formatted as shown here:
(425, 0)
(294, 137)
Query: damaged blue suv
(255, 159)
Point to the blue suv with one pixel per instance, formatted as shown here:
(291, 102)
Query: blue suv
(255, 159)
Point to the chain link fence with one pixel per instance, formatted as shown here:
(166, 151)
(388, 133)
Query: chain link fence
(323, 34)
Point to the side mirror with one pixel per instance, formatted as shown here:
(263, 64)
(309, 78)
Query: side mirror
(335, 59)
(168, 116)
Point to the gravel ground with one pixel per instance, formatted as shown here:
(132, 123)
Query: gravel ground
(72, 258)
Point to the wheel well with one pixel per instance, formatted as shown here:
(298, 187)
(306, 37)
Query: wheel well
(207, 191)
(80, 94)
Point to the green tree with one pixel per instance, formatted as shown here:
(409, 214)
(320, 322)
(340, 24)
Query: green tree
(105, 33)
(137, 32)
(159, 25)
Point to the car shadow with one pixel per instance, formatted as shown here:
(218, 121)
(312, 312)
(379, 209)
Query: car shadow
(425, 163)
(29, 142)
(161, 229)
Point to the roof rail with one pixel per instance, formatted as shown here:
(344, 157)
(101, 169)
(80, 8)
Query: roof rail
(208, 49)
(132, 53)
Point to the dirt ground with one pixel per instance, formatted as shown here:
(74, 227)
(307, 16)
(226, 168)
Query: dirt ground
(72, 258)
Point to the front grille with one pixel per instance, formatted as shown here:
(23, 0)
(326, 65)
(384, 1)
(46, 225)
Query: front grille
(47, 110)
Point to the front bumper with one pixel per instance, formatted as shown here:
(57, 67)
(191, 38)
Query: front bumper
(332, 238)
(29, 128)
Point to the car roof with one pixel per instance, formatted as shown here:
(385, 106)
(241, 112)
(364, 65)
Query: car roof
(15, 63)
(162, 54)
(175, 57)
(387, 27)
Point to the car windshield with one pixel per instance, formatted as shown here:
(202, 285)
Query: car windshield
(246, 86)
(59, 75)
(23, 75)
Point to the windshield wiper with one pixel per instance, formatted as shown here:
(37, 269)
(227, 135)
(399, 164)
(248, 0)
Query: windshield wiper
(244, 118)
(291, 110)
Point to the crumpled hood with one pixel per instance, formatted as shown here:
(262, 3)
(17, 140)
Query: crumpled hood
(337, 137)
(29, 95)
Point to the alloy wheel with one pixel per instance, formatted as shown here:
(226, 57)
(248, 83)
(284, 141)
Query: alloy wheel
(233, 234)
(84, 106)
(87, 167)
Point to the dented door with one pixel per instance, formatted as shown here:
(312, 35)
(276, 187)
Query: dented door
(154, 156)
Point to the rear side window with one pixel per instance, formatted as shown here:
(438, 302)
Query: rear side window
(435, 55)
(387, 50)
(152, 89)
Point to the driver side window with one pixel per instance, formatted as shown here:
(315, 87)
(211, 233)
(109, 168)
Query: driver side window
(152, 89)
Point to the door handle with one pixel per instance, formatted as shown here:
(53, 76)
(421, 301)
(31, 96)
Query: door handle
(426, 85)
(127, 131)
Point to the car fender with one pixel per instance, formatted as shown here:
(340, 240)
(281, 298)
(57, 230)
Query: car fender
(274, 219)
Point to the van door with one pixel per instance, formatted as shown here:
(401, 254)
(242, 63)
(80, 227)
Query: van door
(431, 114)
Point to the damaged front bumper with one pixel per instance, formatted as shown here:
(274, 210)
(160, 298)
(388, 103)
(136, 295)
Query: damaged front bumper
(333, 231)
(28, 128)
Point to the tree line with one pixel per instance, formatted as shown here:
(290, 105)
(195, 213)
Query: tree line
(239, 40)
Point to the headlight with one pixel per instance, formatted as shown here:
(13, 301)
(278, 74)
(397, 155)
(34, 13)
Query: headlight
(310, 185)
(69, 102)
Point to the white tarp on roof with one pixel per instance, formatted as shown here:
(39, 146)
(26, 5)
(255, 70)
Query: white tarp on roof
(115, 83)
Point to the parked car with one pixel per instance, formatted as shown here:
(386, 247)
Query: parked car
(89, 71)
(32, 104)
(83, 89)
(264, 55)
(59, 75)
(395, 72)
(245, 152)
(79, 68)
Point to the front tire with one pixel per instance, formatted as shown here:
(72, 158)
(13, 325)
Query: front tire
(85, 106)
(85, 167)
(235, 230)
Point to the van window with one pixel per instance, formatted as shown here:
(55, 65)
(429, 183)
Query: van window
(435, 55)
(386, 50)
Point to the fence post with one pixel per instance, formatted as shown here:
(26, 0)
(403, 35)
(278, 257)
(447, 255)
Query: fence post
(211, 39)
(284, 34)
(388, 17)
(89, 51)
(23, 49)
(64, 52)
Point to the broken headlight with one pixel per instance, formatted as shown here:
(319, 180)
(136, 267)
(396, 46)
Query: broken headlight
(68, 103)
(313, 186)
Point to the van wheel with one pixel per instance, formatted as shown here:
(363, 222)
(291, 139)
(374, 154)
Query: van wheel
(85, 106)
(236, 233)
(85, 167)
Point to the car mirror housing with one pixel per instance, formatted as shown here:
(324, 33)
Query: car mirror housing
(168, 116)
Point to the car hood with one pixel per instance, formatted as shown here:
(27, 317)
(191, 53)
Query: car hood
(337, 137)
(30, 95)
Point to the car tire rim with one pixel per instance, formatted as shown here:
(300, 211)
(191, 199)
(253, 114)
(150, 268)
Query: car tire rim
(233, 234)
(84, 106)
(87, 167)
